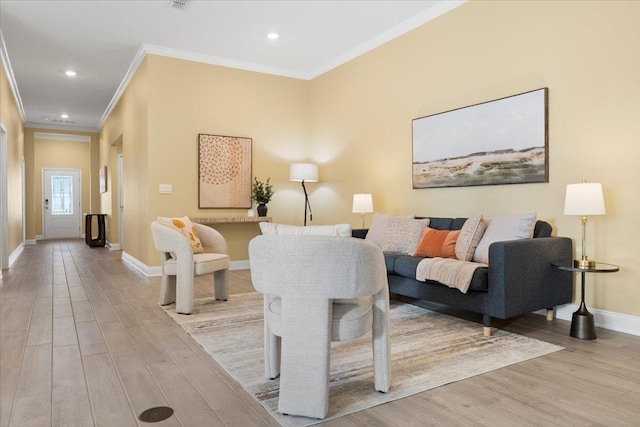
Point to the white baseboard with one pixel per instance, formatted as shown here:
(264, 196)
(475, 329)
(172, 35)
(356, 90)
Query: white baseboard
(15, 254)
(39, 237)
(239, 265)
(157, 270)
(603, 318)
(113, 246)
(133, 261)
(30, 242)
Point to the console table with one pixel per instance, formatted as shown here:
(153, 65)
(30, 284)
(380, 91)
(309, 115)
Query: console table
(231, 219)
(582, 322)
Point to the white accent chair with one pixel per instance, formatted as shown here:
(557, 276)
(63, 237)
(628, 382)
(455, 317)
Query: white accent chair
(318, 289)
(178, 272)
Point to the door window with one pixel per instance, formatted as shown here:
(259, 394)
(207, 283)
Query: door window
(61, 195)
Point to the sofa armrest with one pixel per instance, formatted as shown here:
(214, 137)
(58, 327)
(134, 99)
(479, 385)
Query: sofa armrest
(523, 279)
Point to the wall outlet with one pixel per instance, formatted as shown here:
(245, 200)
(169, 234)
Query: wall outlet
(165, 189)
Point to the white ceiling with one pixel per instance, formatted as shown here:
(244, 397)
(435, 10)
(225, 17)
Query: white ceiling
(105, 40)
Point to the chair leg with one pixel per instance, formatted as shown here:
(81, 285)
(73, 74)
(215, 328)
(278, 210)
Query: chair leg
(221, 284)
(184, 301)
(272, 347)
(167, 289)
(380, 338)
(304, 379)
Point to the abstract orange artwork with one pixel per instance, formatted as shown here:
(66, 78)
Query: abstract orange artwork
(224, 171)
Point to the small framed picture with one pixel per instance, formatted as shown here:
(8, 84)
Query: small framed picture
(103, 179)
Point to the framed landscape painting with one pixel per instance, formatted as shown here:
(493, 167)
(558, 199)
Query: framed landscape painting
(224, 171)
(504, 141)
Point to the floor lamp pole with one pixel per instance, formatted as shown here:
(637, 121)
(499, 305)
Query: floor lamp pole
(306, 204)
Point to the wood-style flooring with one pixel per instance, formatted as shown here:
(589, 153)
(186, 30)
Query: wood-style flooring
(84, 343)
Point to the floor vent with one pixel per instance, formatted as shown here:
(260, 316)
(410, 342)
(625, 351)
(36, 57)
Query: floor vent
(155, 415)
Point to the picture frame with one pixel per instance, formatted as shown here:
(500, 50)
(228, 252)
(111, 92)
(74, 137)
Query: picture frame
(102, 179)
(503, 141)
(224, 172)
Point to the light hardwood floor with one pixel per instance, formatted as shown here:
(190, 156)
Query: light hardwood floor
(84, 342)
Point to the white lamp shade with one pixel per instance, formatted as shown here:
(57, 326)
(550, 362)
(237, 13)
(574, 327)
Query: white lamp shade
(362, 203)
(584, 199)
(303, 172)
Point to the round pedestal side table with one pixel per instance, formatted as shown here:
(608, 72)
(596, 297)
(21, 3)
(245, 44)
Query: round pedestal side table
(582, 323)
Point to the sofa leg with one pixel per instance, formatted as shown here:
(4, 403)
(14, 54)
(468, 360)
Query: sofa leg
(486, 323)
(550, 314)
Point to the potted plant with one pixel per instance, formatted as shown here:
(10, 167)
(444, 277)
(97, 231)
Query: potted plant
(262, 192)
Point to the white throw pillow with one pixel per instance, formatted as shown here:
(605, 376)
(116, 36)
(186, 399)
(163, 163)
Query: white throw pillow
(403, 235)
(504, 228)
(378, 231)
(338, 230)
(184, 226)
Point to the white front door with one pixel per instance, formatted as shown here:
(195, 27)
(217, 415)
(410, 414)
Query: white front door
(62, 203)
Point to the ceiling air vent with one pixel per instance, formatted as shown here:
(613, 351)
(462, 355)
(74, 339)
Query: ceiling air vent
(178, 4)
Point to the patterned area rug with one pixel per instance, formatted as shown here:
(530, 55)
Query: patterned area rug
(428, 349)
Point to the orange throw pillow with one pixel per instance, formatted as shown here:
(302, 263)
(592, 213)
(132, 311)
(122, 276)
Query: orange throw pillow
(437, 243)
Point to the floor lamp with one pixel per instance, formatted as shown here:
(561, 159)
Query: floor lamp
(301, 172)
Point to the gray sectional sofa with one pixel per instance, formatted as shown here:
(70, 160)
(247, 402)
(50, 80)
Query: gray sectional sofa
(520, 277)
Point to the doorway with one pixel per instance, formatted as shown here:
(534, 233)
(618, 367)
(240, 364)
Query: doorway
(120, 201)
(61, 207)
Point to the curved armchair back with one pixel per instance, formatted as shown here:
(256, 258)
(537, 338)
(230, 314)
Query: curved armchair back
(327, 267)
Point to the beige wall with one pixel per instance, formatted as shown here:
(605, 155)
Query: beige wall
(586, 54)
(126, 129)
(59, 154)
(355, 122)
(56, 153)
(189, 98)
(10, 116)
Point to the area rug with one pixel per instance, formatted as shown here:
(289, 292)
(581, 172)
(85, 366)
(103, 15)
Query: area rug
(428, 349)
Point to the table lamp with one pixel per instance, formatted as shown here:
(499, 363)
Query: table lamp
(301, 172)
(584, 199)
(362, 204)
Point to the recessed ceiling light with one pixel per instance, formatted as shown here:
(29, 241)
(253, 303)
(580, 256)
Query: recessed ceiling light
(64, 116)
(71, 73)
(273, 36)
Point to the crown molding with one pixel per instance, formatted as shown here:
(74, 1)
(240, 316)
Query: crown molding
(137, 60)
(52, 126)
(61, 137)
(440, 8)
(6, 64)
(188, 56)
(224, 62)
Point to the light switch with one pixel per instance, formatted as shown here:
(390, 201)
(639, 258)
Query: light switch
(166, 189)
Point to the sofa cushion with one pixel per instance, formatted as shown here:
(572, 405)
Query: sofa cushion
(403, 235)
(437, 243)
(440, 223)
(469, 237)
(406, 266)
(504, 228)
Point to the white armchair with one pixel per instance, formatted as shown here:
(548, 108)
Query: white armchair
(178, 272)
(318, 289)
